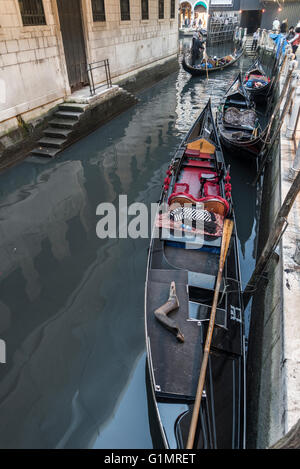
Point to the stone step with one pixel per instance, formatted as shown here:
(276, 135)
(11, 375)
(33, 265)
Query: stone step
(68, 115)
(73, 107)
(52, 142)
(46, 152)
(57, 132)
(63, 123)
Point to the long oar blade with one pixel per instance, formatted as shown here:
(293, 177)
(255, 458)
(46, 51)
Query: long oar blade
(227, 233)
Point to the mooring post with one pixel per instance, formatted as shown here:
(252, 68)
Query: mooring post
(294, 170)
(289, 85)
(293, 120)
(273, 239)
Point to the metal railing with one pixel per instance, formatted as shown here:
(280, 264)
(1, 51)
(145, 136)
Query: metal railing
(95, 66)
(219, 32)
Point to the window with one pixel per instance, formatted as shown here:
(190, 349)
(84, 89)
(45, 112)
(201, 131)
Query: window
(161, 8)
(172, 14)
(125, 10)
(145, 9)
(32, 12)
(98, 8)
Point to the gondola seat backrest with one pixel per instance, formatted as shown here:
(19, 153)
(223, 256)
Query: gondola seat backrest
(215, 204)
(198, 185)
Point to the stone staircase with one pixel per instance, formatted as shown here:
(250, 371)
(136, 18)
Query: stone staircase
(57, 135)
(248, 46)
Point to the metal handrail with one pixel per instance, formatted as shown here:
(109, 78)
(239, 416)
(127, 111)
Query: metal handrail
(93, 66)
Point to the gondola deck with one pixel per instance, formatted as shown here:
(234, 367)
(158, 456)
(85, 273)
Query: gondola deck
(192, 263)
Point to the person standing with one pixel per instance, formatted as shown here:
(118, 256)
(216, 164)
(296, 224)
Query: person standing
(284, 27)
(255, 39)
(276, 25)
(291, 33)
(197, 46)
(295, 41)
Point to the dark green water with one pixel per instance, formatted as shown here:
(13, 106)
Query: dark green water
(72, 305)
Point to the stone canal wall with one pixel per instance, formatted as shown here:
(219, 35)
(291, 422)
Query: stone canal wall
(98, 110)
(273, 357)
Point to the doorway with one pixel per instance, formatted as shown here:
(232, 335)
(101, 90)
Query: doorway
(70, 18)
(251, 19)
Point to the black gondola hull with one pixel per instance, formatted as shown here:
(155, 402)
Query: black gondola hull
(194, 71)
(174, 367)
(249, 149)
(258, 95)
(243, 139)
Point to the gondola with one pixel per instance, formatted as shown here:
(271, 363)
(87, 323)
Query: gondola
(257, 83)
(183, 261)
(202, 69)
(238, 124)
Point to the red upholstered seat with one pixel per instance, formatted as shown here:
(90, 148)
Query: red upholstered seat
(214, 204)
(206, 156)
(192, 153)
(190, 181)
(211, 189)
(181, 187)
(197, 154)
(191, 176)
(200, 164)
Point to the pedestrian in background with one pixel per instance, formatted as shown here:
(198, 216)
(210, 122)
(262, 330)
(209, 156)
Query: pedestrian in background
(295, 41)
(291, 33)
(276, 25)
(197, 46)
(255, 39)
(284, 27)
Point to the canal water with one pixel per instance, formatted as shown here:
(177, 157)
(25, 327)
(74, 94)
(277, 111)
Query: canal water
(71, 304)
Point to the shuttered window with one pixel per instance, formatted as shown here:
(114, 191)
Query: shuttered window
(32, 12)
(161, 9)
(98, 8)
(145, 9)
(125, 10)
(172, 13)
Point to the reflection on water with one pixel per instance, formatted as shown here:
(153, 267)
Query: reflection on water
(71, 305)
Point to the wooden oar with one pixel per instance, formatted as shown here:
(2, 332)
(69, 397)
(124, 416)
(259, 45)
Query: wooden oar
(206, 61)
(227, 232)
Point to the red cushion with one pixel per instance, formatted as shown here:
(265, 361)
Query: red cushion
(193, 153)
(211, 188)
(200, 164)
(181, 187)
(197, 154)
(191, 176)
(207, 156)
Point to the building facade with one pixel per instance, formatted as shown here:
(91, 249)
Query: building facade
(45, 46)
(261, 13)
(193, 11)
